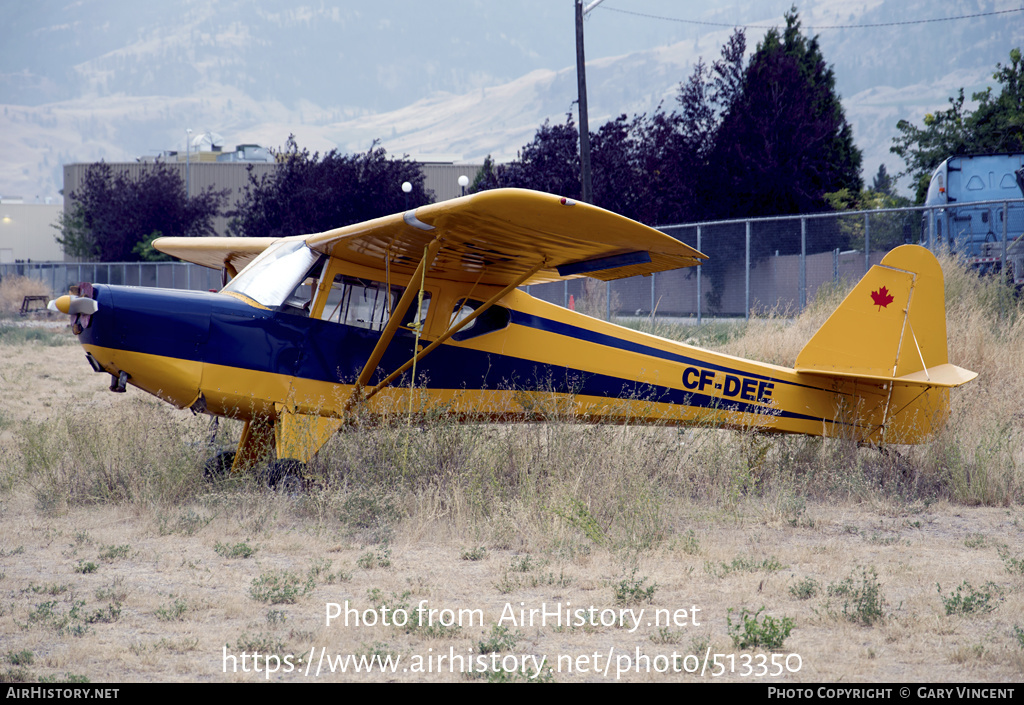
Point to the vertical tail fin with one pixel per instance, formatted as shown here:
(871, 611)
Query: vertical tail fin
(891, 327)
(889, 334)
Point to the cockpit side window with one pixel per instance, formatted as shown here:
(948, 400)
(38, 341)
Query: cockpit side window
(494, 318)
(368, 304)
(300, 300)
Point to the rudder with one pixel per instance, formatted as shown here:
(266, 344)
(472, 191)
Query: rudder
(892, 326)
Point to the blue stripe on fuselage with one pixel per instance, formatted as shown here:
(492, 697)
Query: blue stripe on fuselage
(571, 331)
(221, 330)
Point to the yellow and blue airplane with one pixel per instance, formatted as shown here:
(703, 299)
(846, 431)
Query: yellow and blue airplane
(421, 311)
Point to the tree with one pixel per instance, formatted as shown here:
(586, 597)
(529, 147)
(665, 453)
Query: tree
(996, 125)
(308, 193)
(883, 183)
(784, 141)
(551, 163)
(781, 144)
(112, 215)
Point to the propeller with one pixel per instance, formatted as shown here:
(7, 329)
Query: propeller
(74, 305)
(79, 304)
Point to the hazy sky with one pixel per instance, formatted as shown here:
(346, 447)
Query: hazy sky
(83, 80)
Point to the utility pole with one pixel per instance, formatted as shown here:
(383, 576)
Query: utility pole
(581, 82)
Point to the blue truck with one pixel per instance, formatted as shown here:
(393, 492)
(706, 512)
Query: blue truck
(979, 213)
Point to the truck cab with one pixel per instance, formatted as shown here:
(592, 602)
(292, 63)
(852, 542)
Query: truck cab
(978, 200)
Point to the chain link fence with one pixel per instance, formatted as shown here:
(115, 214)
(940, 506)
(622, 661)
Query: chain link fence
(58, 276)
(778, 264)
(754, 265)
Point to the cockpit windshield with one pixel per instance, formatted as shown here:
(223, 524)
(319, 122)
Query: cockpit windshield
(271, 277)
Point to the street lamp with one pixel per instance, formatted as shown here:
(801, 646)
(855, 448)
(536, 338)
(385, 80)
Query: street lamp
(581, 83)
(463, 182)
(406, 189)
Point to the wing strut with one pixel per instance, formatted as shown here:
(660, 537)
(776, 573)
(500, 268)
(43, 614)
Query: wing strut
(394, 321)
(452, 330)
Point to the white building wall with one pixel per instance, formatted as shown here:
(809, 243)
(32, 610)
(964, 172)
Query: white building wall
(26, 232)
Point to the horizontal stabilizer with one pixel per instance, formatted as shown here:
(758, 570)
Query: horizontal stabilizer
(945, 375)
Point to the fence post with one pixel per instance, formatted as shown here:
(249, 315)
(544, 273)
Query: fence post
(699, 278)
(747, 302)
(652, 294)
(608, 300)
(803, 263)
(1006, 224)
(932, 245)
(867, 243)
(835, 265)
(565, 293)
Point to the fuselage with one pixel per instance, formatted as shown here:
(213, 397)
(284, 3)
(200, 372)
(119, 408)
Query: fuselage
(525, 360)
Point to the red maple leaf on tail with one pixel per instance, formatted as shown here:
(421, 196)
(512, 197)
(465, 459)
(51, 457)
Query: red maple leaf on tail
(882, 298)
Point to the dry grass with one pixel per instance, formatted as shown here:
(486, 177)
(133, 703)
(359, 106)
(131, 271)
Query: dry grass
(117, 563)
(14, 289)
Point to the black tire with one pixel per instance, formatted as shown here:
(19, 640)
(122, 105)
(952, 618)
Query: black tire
(218, 467)
(286, 474)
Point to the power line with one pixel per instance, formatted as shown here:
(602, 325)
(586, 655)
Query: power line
(815, 27)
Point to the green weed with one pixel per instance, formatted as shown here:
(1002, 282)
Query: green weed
(665, 635)
(522, 564)
(86, 567)
(239, 550)
(743, 564)
(50, 589)
(576, 514)
(630, 591)
(110, 553)
(805, 589)
(67, 678)
(111, 614)
(280, 587)
(1014, 565)
(474, 554)
(500, 639)
(968, 600)
(320, 572)
(261, 642)
(751, 631)
(689, 543)
(20, 658)
(49, 614)
(381, 558)
(174, 612)
(862, 600)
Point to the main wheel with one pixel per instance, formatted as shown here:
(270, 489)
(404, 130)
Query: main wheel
(219, 466)
(286, 474)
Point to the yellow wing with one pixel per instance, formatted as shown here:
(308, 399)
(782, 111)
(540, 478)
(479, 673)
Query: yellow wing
(492, 237)
(495, 236)
(231, 253)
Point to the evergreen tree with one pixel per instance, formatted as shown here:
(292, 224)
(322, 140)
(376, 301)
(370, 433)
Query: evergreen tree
(883, 183)
(785, 141)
